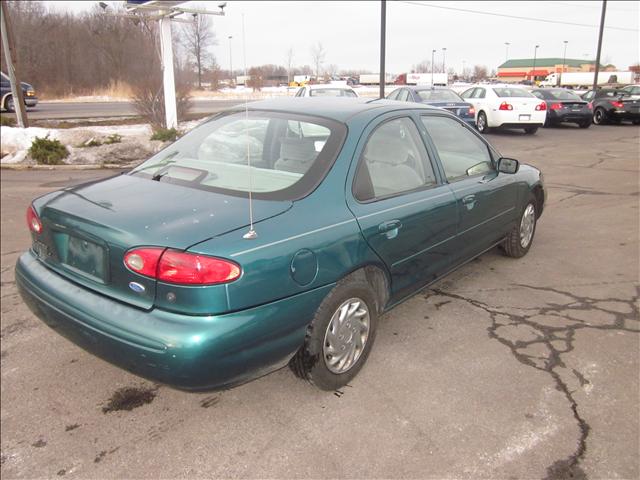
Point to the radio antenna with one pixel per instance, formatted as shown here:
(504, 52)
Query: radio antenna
(251, 234)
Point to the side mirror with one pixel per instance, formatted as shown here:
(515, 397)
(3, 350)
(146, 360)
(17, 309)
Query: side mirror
(508, 165)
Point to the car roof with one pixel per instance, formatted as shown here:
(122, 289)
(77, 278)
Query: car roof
(340, 109)
(322, 86)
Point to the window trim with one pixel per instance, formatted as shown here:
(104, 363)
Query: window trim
(433, 147)
(409, 114)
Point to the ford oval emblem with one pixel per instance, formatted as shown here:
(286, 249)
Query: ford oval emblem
(136, 287)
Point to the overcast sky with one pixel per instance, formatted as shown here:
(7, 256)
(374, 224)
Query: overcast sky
(349, 31)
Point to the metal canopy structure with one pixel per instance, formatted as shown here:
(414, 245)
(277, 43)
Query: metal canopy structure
(166, 12)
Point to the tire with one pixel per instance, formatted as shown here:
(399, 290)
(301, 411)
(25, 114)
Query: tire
(314, 361)
(530, 130)
(519, 240)
(548, 123)
(481, 124)
(599, 116)
(585, 124)
(636, 122)
(9, 105)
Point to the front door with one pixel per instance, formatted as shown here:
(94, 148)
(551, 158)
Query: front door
(405, 212)
(486, 199)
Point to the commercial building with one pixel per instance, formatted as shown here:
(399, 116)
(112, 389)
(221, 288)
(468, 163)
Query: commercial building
(517, 70)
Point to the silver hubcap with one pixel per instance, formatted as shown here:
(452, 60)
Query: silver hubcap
(481, 122)
(526, 225)
(346, 335)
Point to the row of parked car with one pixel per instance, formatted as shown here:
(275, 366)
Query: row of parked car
(507, 106)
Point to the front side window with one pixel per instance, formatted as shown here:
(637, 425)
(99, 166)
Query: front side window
(403, 95)
(393, 95)
(479, 93)
(468, 93)
(394, 160)
(289, 155)
(461, 152)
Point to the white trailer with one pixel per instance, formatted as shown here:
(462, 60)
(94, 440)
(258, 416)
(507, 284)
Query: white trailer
(374, 79)
(440, 79)
(585, 79)
(242, 79)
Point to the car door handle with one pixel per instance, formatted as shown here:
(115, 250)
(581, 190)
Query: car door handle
(468, 199)
(390, 228)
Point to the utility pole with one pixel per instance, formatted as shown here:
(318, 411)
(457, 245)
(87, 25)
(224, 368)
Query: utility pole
(8, 45)
(443, 62)
(506, 53)
(595, 76)
(533, 75)
(383, 32)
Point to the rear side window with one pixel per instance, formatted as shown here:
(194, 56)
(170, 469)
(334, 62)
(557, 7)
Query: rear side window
(461, 152)
(393, 161)
(289, 155)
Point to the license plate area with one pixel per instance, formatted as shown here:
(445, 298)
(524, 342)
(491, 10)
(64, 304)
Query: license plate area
(524, 117)
(86, 258)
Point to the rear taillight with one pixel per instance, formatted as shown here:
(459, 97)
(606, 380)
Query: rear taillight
(543, 106)
(144, 260)
(33, 221)
(505, 106)
(472, 111)
(617, 104)
(555, 106)
(173, 266)
(590, 105)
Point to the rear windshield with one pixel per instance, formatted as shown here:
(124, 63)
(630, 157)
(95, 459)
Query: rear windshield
(289, 155)
(511, 92)
(563, 95)
(331, 92)
(439, 96)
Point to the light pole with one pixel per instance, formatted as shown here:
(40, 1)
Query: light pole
(506, 53)
(564, 60)
(533, 75)
(433, 52)
(230, 62)
(464, 75)
(444, 50)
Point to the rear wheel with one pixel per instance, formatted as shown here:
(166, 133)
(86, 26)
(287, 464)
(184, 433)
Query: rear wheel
(530, 130)
(599, 116)
(340, 336)
(482, 124)
(520, 238)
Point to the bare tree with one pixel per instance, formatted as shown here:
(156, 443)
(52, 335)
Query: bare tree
(197, 37)
(317, 54)
(479, 72)
(289, 58)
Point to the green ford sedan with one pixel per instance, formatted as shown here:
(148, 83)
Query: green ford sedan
(274, 233)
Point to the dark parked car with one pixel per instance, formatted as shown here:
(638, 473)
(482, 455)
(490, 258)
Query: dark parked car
(565, 106)
(437, 97)
(613, 105)
(357, 204)
(6, 97)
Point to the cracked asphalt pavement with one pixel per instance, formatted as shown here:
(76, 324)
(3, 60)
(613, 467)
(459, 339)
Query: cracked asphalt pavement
(506, 369)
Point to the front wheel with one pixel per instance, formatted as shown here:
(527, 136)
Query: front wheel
(520, 238)
(9, 104)
(530, 130)
(599, 116)
(585, 124)
(340, 336)
(482, 125)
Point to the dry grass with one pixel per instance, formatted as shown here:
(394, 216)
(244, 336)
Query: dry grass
(115, 89)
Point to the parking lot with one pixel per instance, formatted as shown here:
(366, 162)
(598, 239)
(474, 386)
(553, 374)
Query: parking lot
(510, 369)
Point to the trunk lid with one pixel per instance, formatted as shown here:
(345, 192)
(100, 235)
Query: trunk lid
(87, 229)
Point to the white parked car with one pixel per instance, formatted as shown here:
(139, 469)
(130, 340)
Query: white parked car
(505, 106)
(326, 90)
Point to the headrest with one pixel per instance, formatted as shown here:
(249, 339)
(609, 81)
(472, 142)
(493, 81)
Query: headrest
(386, 149)
(297, 149)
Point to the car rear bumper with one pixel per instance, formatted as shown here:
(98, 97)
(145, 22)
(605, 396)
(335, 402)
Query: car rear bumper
(518, 118)
(570, 116)
(625, 115)
(30, 101)
(189, 352)
(520, 125)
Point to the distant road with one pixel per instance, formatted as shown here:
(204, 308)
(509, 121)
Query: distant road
(77, 110)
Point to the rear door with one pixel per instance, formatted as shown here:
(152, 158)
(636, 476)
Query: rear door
(486, 199)
(406, 214)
